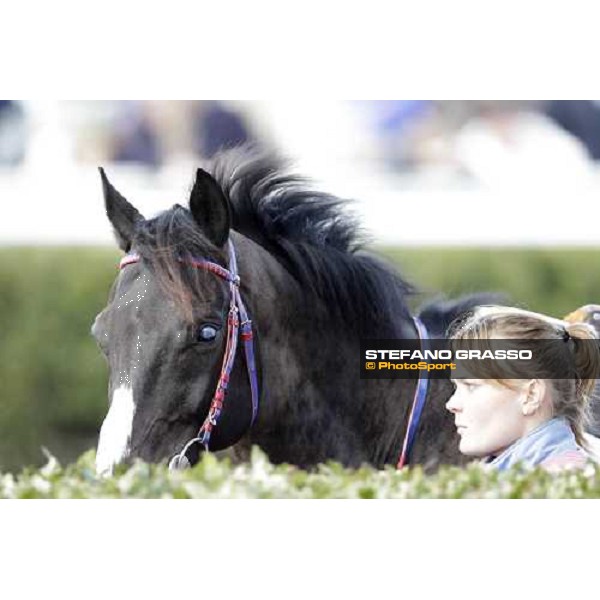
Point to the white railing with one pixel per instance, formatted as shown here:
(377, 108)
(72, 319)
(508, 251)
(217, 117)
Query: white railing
(63, 204)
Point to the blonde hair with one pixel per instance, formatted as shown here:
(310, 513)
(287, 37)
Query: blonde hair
(570, 397)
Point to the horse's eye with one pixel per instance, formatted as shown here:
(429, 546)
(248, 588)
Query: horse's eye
(207, 333)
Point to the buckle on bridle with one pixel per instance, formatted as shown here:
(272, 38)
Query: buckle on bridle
(181, 461)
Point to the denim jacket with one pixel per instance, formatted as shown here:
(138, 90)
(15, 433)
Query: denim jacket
(552, 444)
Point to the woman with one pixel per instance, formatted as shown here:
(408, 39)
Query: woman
(533, 421)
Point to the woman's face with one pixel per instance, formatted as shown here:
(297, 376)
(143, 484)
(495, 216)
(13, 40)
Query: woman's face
(488, 417)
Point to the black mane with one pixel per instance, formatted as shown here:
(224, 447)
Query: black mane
(312, 234)
(308, 231)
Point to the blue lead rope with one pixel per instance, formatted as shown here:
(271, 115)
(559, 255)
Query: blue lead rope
(418, 401)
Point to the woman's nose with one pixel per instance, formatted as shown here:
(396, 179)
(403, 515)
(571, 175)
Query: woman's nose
(453, 405)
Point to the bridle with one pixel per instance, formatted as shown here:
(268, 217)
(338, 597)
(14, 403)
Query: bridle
(238, 322)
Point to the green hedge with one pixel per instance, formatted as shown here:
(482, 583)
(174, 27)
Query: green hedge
(53, 378)
(554, 281)
(258, 478)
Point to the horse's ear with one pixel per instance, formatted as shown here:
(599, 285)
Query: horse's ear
(210, 208)
(122, 215)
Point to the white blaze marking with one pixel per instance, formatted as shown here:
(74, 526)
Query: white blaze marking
(115, 434)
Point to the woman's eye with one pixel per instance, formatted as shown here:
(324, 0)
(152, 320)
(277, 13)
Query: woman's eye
(207, 333)
(462, 385)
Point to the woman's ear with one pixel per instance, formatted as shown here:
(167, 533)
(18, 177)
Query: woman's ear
(533, 396)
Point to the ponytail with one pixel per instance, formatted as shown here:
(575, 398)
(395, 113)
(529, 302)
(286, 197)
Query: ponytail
(583, 341)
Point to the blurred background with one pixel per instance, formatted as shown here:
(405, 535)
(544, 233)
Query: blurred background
(462, 195)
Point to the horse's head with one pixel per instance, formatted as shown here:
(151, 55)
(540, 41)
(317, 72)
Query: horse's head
(164, 329)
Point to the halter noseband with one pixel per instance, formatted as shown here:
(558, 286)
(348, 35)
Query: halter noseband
(237, 322)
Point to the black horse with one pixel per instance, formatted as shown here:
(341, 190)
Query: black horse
(312, 293)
